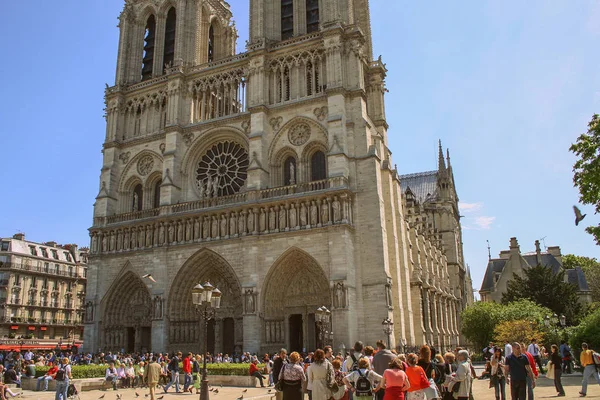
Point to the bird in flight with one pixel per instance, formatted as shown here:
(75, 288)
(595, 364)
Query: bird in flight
(149, 276)
(578, 216)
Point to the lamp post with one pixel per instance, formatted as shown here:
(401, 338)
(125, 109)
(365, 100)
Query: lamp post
(323, 319)
(388, 328)
(555, 321)
(207, 299)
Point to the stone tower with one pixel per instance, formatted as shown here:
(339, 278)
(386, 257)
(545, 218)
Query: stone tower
(266, 173)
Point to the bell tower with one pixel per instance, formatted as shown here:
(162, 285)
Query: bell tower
(157, 35)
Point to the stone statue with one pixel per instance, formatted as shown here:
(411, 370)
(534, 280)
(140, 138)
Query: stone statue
(293, 219)
(223, 225)
(188, 230)
(170, 233)
(251, 227)
(272, 219)
(303, 219)
(126, 240)
(313, 214)
(149, 236)
(141, 237)
(197, 232)
(206, 228)
(216, 187)
(112, 241)
(241, 223)
(324, 212)
(179, 231)
(158, 307)
(282, 218)
(215, 227)
(89, 311)
(340, 295)
(135, 202)
(119, 240)
(292, 174)
(250, 302)
(201, 190)
(262, 222)
(161, 234)
(388, 294)
(104, 242)
(232, 224)
(209, 185)
(336, 207)
(94, 243)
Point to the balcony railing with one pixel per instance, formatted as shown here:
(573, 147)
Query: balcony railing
(20, 266)
(334, 183)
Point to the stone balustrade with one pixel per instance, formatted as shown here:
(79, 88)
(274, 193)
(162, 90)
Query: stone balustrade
(204, 221)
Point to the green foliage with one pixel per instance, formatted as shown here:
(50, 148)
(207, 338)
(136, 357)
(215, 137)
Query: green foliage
(591, 269)
(586, 171)
(549, 290)
(520, 330)
(480, 320)
(587, 331)
(99, 371)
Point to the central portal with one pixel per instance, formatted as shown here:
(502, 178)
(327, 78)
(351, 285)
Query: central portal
(296, 333)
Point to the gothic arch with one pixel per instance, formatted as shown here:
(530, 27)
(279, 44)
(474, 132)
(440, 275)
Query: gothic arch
(281, 140)
(164, 8)
(296, 282)
(205, 265)
(309, 151)
(130, 169)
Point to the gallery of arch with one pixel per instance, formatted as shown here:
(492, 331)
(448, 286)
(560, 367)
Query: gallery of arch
(267, 173)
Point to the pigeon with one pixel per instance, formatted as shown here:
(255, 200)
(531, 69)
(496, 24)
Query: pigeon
(118, 396)
(161, 397)
(137, 394)
(101, 397)
(244, 391)
(578, 216)
(211, 389)
(240, 398)
(269, 391)
(216, 390)
(149, 276)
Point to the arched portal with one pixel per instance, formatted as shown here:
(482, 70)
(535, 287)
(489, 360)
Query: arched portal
(185, 330)
(127, 315)
(294, 288)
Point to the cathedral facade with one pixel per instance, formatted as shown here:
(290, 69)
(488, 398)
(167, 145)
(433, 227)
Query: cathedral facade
(267, 173)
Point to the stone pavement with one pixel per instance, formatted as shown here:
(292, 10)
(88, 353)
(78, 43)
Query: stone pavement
(544, 390)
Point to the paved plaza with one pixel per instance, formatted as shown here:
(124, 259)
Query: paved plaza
(545, 390)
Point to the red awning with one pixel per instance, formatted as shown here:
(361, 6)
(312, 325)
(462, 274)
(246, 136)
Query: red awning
(14, 327)
(31, 328)
(43, 328)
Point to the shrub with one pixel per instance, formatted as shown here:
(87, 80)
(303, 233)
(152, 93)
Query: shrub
(587, 331)
(521, 331)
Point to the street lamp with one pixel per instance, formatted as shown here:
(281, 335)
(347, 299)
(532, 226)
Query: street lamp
(323, 320)
(388, 328)
(207, 299)
(563, 320)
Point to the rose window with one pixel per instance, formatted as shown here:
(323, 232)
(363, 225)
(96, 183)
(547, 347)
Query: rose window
(222, 170)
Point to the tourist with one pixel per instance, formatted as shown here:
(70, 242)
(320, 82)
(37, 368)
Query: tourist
(152, 377)
(450, 368)
(556, 360)
(111, 375)
(535, 351)
(342, 393)
(139, 370)
(278, 364)
(62, 377)
(417, 379)
(530, 381)
(129, 374)
(328, 353)
(196, 372)
(507, 349)
(47, 377)
(381, 362)
(351, 363)
(121, 375)
(394, 381)
(362, 382)
(440, 373)
(430, 372)
(292, 375)
(165, 374)
(174, 370)
(518, 368)
(463, 377)
(565, 353)
(187, 370)
(254, 371)
(321, 376)
(586, 358)
(497, 378)
(369, 351)
(487, 352)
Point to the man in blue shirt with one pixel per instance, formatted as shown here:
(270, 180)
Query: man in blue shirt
(518, 369)
(565, 353)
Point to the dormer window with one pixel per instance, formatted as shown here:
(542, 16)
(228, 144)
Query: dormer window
(55, 254)
(33, 251)
(44, 252)
(68, 256)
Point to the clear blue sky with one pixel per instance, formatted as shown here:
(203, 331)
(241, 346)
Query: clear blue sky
(507, 85)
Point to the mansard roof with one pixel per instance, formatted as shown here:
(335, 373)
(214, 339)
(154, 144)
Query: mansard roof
(423, 185)
(497, 265)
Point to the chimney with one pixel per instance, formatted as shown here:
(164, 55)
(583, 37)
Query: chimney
(538, 252)
(514, 246)
(505, 254)
(19, 236)
(73, 250)
(555, 251)
(50, 244)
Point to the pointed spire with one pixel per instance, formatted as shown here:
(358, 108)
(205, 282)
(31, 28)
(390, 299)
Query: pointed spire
(448, 157)
(441, 163)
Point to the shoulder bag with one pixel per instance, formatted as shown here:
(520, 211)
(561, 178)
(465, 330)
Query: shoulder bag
(331, 383)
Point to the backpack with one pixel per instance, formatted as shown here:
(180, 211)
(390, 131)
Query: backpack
(354, 366)
(596, 358)
(363, 385)
(60, 374)
(195, 367)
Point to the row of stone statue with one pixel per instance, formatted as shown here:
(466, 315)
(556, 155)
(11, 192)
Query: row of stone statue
(274, 332)
(250, 221)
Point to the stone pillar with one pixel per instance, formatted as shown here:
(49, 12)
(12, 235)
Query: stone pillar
(252, 333)
(218, 335)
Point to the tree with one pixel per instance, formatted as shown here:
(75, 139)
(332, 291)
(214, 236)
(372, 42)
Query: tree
(591, 269)
(587, 169)
(587, 331)
(520, 330)
(479, 321)
(543, 287)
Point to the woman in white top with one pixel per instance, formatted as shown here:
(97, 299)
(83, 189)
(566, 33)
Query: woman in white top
(363, 371)
(320, 376)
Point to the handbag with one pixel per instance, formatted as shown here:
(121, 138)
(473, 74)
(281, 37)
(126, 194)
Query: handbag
(331, 383)
(550, 373)
(432, 392)
(455, 387)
